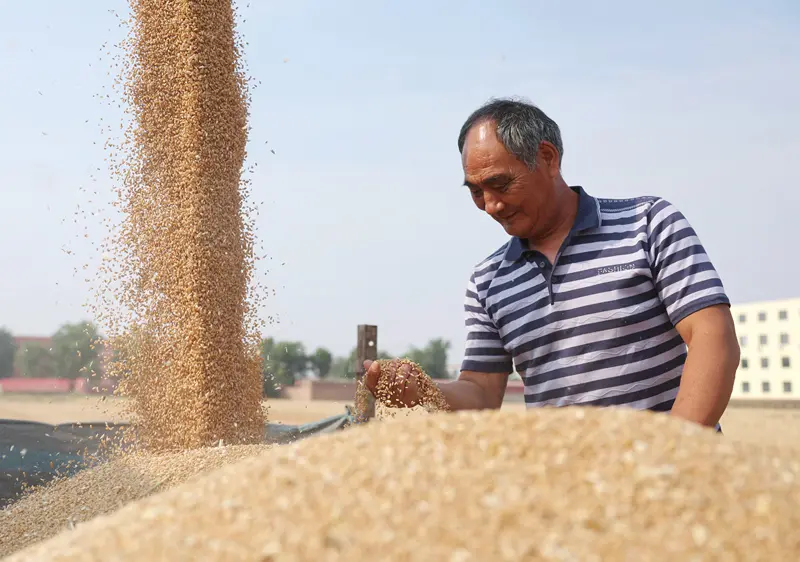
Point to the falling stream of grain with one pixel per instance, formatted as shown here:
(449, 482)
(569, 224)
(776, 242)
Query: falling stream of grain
(182, 327)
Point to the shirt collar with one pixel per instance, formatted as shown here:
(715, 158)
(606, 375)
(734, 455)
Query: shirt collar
(588, 217)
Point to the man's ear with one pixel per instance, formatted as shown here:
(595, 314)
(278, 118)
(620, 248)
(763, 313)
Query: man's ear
(548, 155)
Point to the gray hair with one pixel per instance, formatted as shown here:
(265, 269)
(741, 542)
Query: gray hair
(521, 127)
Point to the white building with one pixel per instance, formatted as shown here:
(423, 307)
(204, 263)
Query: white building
(769, 338)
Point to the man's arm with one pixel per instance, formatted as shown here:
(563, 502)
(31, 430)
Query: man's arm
(693, 295)
(484, 370)
(486, 365)
(471, 391)
(475, 391)
(708, 374)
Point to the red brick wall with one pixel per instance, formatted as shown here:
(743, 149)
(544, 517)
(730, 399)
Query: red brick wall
(19, 384)
(338, 390)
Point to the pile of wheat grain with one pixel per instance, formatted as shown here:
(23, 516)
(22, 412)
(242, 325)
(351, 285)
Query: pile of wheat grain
(552, 484)
(65, 504)
(177, 299)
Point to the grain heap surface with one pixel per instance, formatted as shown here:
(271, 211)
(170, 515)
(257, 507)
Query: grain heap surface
(552, 484)
(104, 489)
(178, 267)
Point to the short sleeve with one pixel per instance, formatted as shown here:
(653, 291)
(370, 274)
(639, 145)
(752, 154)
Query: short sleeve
(484, 351)
(685, 278)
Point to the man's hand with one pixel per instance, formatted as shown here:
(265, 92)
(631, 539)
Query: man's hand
(472, 390)
(707, 380)
(404, 391)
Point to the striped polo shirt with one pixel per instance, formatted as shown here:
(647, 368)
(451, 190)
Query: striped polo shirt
(597, 327)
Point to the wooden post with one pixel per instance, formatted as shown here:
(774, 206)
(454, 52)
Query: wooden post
(366, 350)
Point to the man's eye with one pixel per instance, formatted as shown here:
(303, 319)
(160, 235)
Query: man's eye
(476, 192)
(503, 188)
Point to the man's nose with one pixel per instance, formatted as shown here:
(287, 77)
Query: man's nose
(493, 205)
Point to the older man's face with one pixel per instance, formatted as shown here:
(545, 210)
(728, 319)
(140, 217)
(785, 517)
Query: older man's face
(519, 199)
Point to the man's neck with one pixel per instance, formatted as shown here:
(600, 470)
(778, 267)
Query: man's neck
(549, 240)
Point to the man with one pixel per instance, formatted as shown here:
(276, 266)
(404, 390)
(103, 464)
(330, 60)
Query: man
(602, 302)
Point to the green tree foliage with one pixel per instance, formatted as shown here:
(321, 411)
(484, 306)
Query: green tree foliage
(284, 363)
(432, 358)
(76, 349)
(8, 349)
(341, 367)
(321, 362)
(36, 361)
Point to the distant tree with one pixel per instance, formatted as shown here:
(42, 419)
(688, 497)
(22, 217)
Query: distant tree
(284, 363)
(339, 368)
(36, 361)
(76, 348)
(321, 362)
(8, 349)
(273, 376)
(432, 358)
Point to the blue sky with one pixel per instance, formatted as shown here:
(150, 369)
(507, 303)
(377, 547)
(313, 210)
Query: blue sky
(363, 216)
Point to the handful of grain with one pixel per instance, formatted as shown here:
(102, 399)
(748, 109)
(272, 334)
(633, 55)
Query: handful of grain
(391, 385)
(598, 484)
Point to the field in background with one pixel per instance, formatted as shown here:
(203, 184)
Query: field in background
(776, 426)
(76, 408)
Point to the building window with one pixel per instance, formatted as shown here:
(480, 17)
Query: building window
(787, 387)
(744, 363)
(762, 316)
(764, 363)
(785, 362)
(742, 318)
(765, 387)
(762, 339)
(743, 341)
(783, 315)
(745, 387)
(784, 339)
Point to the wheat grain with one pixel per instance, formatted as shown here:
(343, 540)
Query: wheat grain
(179, 305)
(103, 489)
(585, 484)
(390, 387)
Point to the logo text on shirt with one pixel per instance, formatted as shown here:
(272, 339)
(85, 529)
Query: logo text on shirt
(615, 268)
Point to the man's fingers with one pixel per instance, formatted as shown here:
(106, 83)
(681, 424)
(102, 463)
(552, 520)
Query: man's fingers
(373, 373)
(401, 385)
(411, 391)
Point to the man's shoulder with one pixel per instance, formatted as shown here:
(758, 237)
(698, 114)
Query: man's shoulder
(650, 208)
(643, 203)
(490, 264)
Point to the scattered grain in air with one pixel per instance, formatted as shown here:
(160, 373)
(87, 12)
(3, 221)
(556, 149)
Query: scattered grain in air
(545, 484)
(175, 292)
(179, 304)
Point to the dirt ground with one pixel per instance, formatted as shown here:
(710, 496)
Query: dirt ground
(76, 408)
(778, 426)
